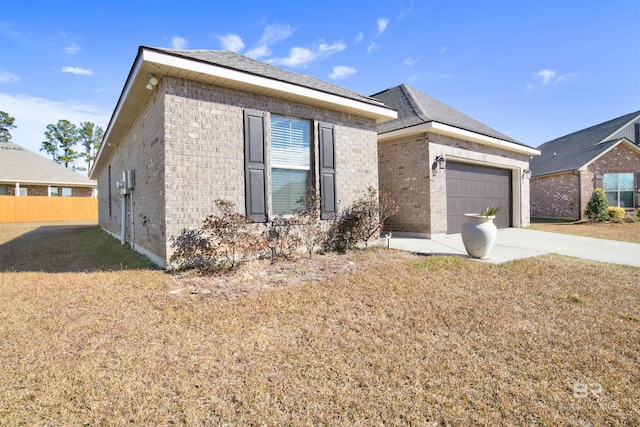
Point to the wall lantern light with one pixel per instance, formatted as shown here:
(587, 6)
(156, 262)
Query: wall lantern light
(439, 163)
(526, 174)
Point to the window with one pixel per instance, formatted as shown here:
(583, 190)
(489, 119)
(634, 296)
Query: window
(3, 190)
(290, 162)
(619, 189)
(67, 192)
(54, 192)
(22, 192)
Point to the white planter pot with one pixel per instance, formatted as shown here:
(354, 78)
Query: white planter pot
(478, 235)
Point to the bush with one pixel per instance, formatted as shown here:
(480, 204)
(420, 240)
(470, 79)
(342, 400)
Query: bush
(363, 219)
(597, 206)
(615, 213)
(638, 213)
(222, 239)
(308, 220)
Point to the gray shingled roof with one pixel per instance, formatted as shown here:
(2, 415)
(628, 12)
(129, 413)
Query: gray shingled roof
(571, 152)
(415, 107)
(17, 164)
(236, 61)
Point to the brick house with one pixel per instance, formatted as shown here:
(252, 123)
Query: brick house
(571, 167)
(440, 164)
(194, 126)
(24, 173)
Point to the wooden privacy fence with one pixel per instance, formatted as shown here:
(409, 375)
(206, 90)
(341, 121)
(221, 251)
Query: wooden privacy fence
(36, 209)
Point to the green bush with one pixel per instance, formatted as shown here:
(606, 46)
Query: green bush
(597, 206)
(615, 213)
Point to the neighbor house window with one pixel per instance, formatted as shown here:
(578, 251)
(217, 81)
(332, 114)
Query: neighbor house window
(3, 190)
(290, 162)
(67, 192)
(53, 192)
(619, 189)
(22, 192)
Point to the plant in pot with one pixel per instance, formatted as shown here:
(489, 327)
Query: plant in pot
(479, 232)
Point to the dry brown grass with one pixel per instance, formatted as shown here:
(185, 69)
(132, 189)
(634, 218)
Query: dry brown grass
(626, 232)
(376, 337)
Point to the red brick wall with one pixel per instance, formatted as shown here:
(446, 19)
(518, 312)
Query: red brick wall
(555, 196)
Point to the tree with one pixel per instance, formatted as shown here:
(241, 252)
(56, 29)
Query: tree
(6, 124)
(597, 206)
(90, 137)
(61, 139)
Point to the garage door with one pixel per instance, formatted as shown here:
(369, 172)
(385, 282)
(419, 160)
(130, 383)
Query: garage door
(471, 188)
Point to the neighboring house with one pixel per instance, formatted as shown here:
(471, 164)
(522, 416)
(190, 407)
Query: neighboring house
(194, 126)
(483, 166)
(24, 173)
(570, 168)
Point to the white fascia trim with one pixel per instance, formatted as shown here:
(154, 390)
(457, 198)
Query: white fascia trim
(383, 113)
(455, 132)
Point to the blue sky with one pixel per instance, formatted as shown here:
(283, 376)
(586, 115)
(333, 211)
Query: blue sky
(532, 70)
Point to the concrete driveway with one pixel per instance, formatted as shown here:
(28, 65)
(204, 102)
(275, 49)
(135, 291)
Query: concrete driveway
(516, 243)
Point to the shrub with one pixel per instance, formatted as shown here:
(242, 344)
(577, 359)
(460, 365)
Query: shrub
(638, 213)
(308, 220)
(221, 239)
(363, 219)
(615, 213)
(597, 206)
(287, 234)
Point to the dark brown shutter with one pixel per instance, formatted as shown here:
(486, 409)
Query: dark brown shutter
(255, 165)
(637, 133)
(599, 177)
(327, 149)
(638, 190)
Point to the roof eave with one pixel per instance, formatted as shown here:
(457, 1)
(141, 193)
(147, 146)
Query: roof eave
(164, 64)
(452, 131)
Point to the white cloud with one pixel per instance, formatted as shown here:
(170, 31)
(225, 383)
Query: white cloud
(77, 70)
(34, 114)
(258, 52)
(358, 38)
(178, 42)
(332, 48)
(410, 61)
(300, 57)
(546, 76)
(443, 49)
(373, 46)
(342, 72)
(272, 34)
(7, 77)
(72, 49)
(232, 42)
(382, 25)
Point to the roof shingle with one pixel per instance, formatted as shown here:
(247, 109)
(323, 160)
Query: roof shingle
(571, 152)
(415, 107)
(17, 164)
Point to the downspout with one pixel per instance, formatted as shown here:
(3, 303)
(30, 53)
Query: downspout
(123, 222)
(133, 229)
(579, 193)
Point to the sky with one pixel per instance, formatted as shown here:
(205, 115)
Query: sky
(533, 70)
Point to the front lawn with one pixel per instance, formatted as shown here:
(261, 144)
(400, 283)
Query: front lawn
(626, 232)
(367, 338)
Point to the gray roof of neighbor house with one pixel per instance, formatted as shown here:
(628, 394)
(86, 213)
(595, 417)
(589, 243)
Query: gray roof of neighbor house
(236, 61)
(416, 107)
(17, 164)
(571, 152)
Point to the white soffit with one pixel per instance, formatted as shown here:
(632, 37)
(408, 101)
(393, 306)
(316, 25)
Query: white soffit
(176, 66)
(454, 132)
